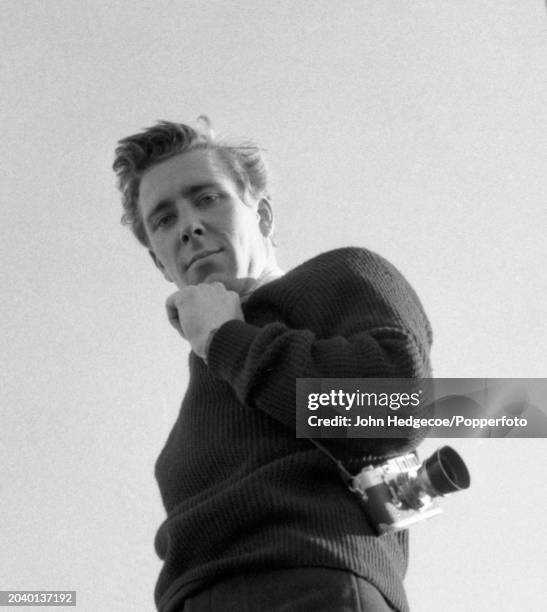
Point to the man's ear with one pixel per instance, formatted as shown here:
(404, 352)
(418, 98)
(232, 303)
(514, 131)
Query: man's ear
(160, 266)
(265, 217)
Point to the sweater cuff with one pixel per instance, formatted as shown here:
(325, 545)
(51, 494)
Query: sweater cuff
(229, 347)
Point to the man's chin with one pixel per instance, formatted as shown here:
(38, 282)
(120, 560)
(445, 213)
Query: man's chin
(218, 277)
(241, 286)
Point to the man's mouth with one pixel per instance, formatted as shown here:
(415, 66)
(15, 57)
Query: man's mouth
(201, 255)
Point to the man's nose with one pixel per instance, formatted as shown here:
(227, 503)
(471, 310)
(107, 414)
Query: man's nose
(191, 227)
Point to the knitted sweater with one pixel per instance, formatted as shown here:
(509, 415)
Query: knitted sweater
(241, 492)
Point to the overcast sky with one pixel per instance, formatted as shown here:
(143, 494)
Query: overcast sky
(416, 129)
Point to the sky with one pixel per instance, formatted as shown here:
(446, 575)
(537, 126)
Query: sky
(415, 129)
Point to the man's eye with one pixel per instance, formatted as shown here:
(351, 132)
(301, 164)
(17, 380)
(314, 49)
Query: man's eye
(208, 198)
(164, 220)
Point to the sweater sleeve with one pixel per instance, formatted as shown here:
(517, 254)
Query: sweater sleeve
(373, 327)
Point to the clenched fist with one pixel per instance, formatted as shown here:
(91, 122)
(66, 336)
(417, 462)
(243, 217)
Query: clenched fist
(198, 310)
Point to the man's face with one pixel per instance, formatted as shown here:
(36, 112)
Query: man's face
(200, 227)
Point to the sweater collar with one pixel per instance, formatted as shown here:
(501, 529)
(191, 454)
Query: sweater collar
(268, 275)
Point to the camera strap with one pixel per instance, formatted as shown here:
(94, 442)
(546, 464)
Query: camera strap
(347, 477)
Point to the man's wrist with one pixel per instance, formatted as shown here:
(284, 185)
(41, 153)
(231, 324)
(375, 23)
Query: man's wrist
(208, 343)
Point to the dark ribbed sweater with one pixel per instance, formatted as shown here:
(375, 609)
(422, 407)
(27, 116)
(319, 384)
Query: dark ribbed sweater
(241, 492)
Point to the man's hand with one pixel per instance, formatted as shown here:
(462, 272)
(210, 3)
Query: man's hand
(198, 310)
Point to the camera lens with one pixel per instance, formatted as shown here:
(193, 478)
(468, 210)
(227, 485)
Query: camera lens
(447, 471)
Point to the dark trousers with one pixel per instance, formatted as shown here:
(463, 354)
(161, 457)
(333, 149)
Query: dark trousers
(292, 590)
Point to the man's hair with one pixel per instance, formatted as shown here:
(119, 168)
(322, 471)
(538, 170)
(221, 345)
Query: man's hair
(135, 154)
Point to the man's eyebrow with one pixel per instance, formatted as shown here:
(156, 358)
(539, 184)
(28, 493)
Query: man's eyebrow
(191, 190)
(188, 192)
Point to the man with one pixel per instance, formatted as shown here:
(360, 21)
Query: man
(258, 519)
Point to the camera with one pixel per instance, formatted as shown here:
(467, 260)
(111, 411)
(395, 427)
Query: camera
(403, 491)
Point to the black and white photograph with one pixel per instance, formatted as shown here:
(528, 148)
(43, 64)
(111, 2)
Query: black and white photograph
(221, 220)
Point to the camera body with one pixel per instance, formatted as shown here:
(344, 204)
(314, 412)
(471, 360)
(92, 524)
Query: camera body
(402, 491)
